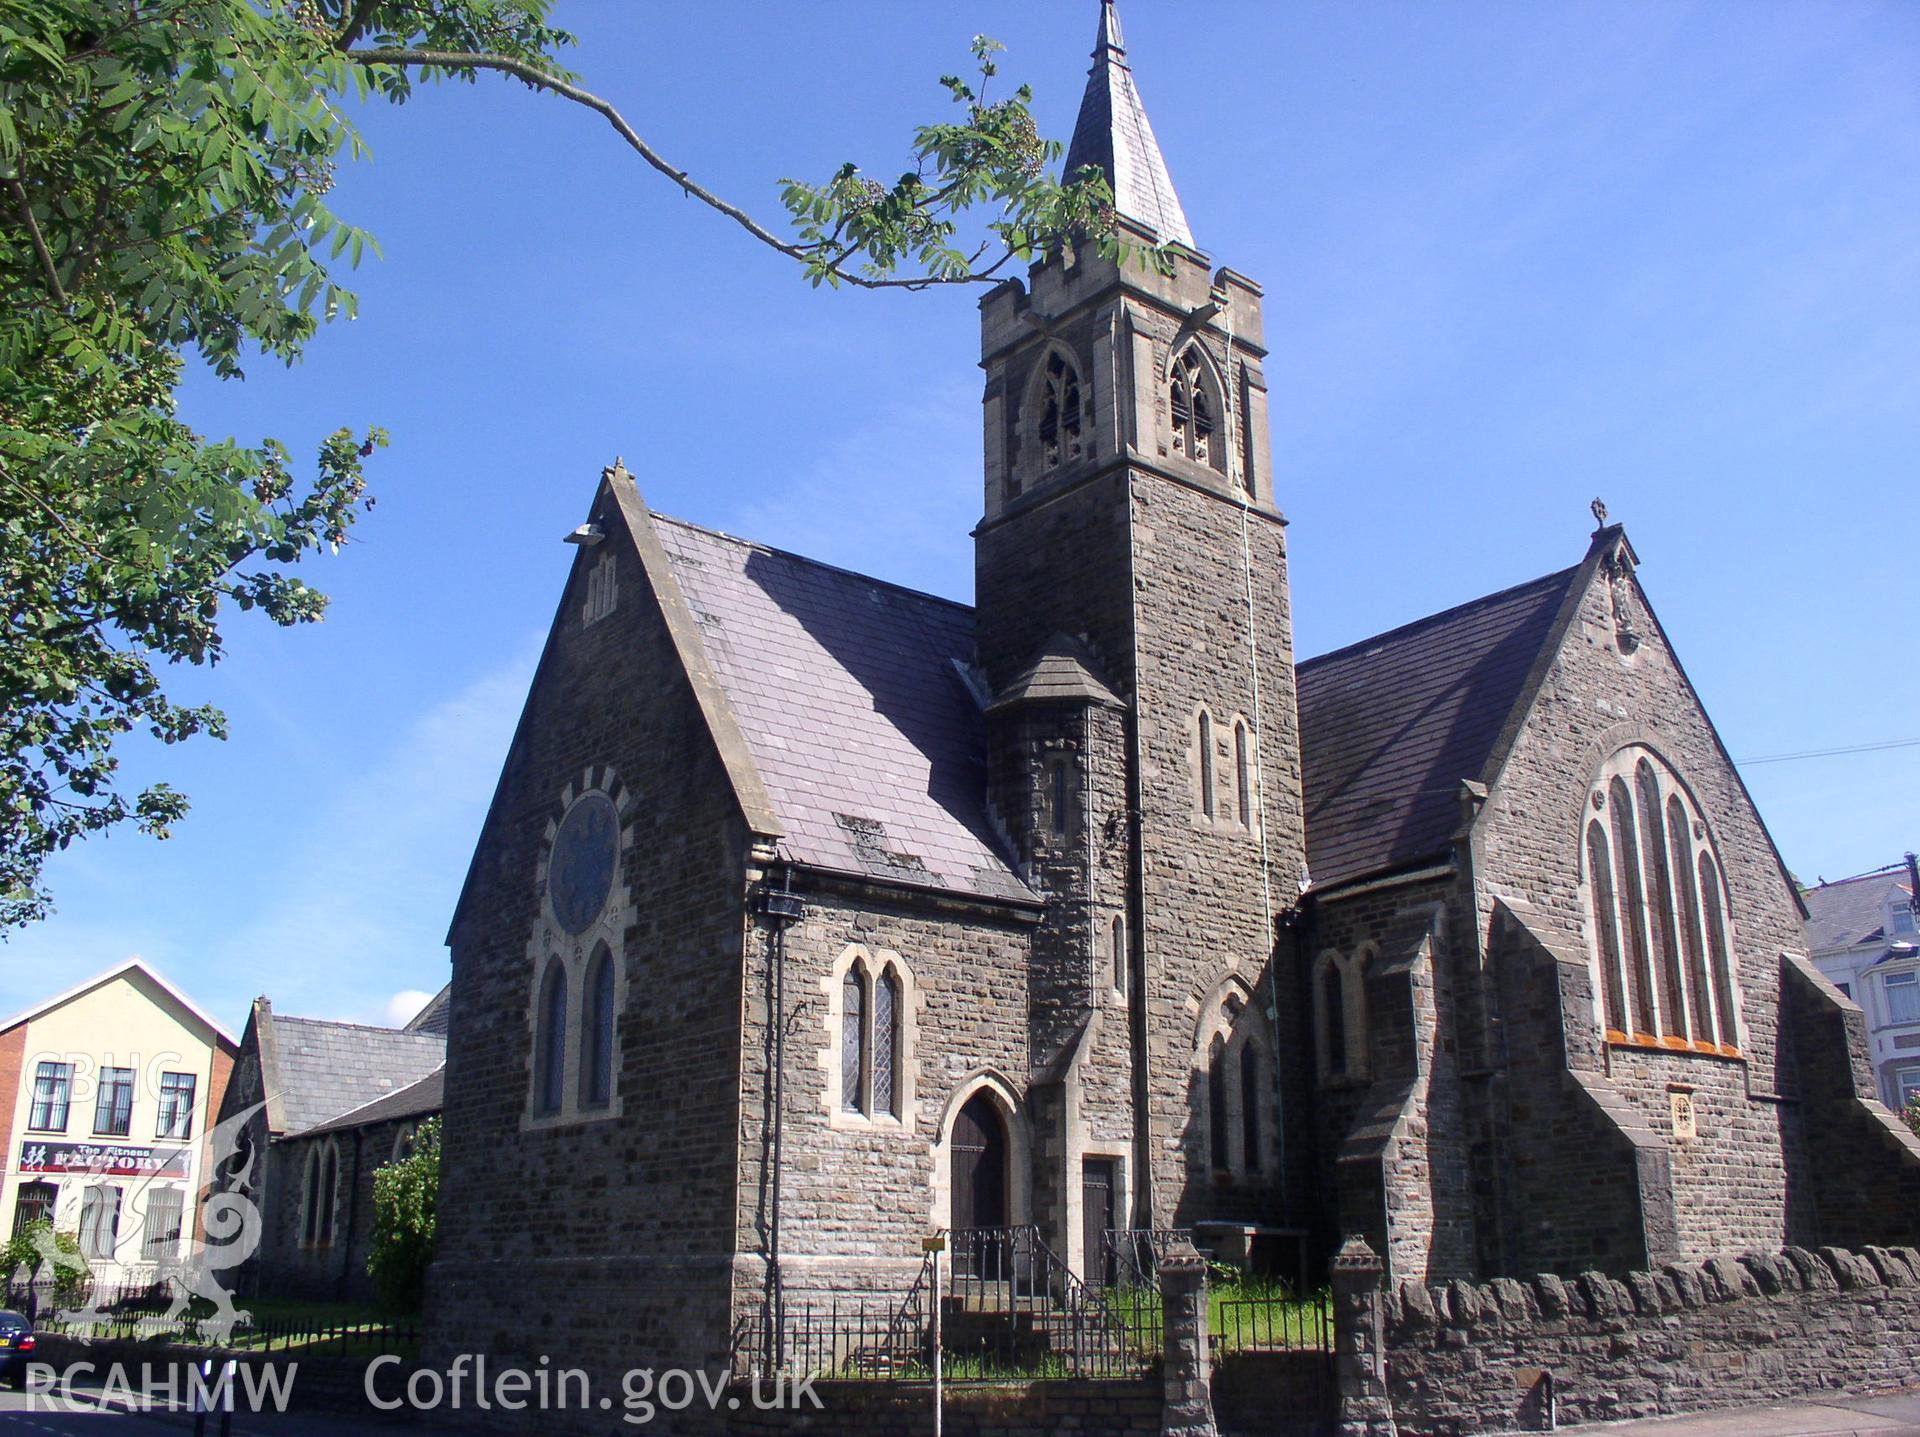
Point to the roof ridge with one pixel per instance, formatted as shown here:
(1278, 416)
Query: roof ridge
(360, 1027)
(805, 559)
(1892, 870)
(1401, 629)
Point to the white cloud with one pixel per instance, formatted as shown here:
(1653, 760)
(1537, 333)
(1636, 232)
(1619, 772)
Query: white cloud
(404, 1006)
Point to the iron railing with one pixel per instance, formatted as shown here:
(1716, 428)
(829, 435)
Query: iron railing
(1269, 1323)
(1133, 1253)
(1009, 1309)
(147, 1311)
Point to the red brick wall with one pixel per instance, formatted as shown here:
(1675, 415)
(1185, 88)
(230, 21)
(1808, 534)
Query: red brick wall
(220, 1074)
(13, 1052)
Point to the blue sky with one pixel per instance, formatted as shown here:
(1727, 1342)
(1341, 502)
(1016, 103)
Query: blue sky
(1516, 255)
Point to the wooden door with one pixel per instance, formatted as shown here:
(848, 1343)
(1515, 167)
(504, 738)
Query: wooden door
(1097, 1183)
(979, 1166)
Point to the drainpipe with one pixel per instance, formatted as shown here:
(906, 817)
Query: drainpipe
(781, 908)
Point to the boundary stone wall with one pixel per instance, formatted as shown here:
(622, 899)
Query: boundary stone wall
(1507, 1355)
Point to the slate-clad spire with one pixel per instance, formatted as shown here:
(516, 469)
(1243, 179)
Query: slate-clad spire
(1112, 133)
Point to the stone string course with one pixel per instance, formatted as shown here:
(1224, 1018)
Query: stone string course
(1464, 1358)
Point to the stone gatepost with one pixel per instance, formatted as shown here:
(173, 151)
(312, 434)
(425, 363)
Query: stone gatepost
(1359, 1341)
(1188, 1406)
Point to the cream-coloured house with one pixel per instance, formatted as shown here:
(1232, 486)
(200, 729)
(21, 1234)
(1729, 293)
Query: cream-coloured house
(106, 1097)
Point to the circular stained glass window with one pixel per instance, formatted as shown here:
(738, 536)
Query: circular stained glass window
(580, 871)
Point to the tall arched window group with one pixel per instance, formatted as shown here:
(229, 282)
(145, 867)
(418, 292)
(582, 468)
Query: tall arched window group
(872, 1038)
(580, 1035)
(1657, 908)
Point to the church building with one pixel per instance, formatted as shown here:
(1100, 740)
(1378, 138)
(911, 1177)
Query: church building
(813, 914)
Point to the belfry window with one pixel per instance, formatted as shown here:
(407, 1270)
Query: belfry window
(1061, 410)
(1656, 911)
(1193, 408)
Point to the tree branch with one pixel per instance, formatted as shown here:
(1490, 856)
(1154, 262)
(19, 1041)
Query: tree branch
(541, 80)
(39, 243)
(356, 23)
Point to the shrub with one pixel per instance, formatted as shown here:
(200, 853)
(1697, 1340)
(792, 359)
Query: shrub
(405, 1194)
(38, 1254)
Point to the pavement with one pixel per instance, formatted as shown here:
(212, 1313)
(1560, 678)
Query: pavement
(1891, 1414)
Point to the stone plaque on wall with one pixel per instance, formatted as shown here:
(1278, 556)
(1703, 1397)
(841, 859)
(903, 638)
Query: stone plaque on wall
(1684, 1127)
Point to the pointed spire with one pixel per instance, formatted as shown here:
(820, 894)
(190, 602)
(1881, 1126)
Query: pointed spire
(1112, 134)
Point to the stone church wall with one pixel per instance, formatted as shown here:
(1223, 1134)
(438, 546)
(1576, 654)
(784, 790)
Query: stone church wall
(858, 1193)
(1731, 1183)
(1392, 1130)
(607, 1239)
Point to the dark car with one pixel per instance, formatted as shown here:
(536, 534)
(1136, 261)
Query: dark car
(16, 1347)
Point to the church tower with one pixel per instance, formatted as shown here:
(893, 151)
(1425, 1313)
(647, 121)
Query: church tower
(1134, 631)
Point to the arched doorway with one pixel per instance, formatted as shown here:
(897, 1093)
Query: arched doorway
(979, 1178)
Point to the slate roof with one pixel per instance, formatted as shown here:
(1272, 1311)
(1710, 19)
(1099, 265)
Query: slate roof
(1112, 134)
(416, 1100)
(433, 1017)
(323, 1069)
(1391, 725)
(1850, 912)
(850, 695)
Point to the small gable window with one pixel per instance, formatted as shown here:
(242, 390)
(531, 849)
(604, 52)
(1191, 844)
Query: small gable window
(1195, 409)
(1656, 911)
(1061, 408)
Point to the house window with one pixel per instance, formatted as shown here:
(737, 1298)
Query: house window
(1242, 774)
(596, 1045)
(886, 1042)
(100, 1221)
(160, 1231)
(34, 1204)
(853, 1040)
(1061, 410)
(113, 1103)
(52, 1084)
(1907, 1083)
(1903, 997)
(1205, 738)
(1656, 911)
(1194, 408)
(550, 1048)
(1901, 918)
(176, 1105)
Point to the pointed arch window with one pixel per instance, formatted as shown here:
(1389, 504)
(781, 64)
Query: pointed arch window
(1205, 777)
(1195, 409)
(1117, 955)
(1242, 774)
(1062, 439)
(596, 1038)
(1219, 1128)
(853, 1040)
(1333, 1017)
(886, 1043)
(550, 1042)
(1656, 911)
(1250, 1093)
